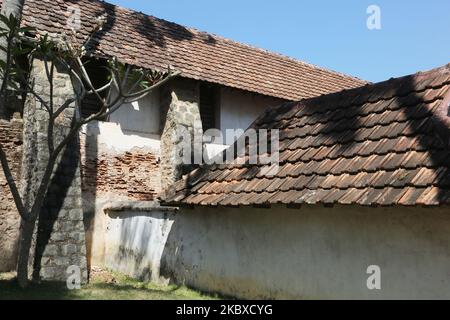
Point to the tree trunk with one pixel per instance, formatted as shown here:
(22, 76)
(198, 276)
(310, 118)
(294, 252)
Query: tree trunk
(15, 8)
(26, 239)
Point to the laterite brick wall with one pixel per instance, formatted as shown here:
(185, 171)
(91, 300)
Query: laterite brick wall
(11, 140)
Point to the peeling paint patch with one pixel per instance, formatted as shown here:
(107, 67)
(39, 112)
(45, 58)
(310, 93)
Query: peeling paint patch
(133, 174)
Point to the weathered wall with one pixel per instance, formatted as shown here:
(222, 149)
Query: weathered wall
(238, 109)
(119, 164)
(11, 140)
(128, 169)
(60, 237)
(307, 253)
(134, 157)
(141, 116)
(135, 245)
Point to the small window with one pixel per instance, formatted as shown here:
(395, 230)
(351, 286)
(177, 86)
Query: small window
(209, 106)
(99, 76)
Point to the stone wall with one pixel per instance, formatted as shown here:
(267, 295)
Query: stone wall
(180, 105)
(60, 236)
(11, 140)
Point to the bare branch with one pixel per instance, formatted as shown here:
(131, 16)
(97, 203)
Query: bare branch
(30, 90)
(12, 184)
(63, 107)
(75, 75)
(133, 87)
(142, 93)
(51, 119)
(113, 108)
(3, 89)
(125, 77)
(86, 77)
(101, 89)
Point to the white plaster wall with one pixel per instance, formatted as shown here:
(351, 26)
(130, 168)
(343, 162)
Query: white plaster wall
(110, 137)
(238, 109)
(309, 253)
(133, 125)
(141, 116)
(135, 245)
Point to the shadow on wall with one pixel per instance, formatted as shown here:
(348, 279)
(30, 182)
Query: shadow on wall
(135, 242)
(164, 249)
(55, 201)
(89, 187)
(204, 250)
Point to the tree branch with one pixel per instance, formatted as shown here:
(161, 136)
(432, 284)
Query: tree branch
(51, 119)
(12, 184)
(3, 89)
(139, 95)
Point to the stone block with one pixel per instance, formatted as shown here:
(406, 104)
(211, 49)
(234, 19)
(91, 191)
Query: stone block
(69, 249)
(48, 273)
(75, 214)
(51, 250)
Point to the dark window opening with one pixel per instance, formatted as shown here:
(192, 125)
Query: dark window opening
(209, 106)
(99, 76)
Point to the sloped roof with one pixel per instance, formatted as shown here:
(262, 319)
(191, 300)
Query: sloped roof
(152, 43)
(382, 144)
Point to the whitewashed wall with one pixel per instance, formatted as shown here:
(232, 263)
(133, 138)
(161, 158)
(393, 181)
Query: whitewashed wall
(135, 125)
(308, 253)
(239, 108)
(140, 116)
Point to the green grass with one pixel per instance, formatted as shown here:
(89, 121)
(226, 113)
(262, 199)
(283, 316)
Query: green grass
(99, 288)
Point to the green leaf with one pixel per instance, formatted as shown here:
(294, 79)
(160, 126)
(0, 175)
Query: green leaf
(27, 29)
(5, 20)
(22, 51)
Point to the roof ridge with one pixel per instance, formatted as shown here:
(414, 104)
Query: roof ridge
(368, 86)
(223, 38)
(151, 42)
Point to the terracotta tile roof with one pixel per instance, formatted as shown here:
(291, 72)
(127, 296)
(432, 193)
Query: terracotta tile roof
(149, 42)
(381, 144)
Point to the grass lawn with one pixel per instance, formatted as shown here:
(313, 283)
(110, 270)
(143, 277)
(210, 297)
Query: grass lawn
(103, 286)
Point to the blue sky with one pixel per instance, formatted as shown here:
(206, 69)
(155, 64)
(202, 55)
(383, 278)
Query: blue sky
(414, 35)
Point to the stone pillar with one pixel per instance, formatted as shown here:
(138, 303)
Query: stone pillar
(60, 236)
(180, 101)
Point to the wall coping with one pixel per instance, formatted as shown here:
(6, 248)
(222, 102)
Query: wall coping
(120, 206)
